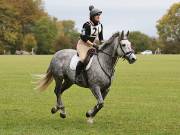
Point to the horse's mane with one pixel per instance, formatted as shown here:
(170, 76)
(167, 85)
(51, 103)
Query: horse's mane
(109, 41)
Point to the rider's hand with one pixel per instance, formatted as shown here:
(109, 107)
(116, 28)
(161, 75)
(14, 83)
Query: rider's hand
(95, 46)
(102, 41)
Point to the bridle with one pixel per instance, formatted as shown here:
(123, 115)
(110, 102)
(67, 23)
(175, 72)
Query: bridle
(114, 57)
(127, 54)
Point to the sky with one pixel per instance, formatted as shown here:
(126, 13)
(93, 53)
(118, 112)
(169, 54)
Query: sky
(118, 15)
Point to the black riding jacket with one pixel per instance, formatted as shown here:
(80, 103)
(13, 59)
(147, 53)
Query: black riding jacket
(91, 31)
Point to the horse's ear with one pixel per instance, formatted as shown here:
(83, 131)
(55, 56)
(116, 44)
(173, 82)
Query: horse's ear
(127, 34)
(122, 34)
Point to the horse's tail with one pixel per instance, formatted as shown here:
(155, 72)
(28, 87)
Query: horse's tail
(45, 80)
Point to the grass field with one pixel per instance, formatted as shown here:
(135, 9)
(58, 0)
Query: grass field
(144, 100)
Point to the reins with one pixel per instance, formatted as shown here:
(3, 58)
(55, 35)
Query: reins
(113, 57)
(113, 69)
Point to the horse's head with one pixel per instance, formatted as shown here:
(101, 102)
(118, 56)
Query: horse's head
(123, 48)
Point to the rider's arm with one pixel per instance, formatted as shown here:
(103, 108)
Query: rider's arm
(90, 43)
(86, 31)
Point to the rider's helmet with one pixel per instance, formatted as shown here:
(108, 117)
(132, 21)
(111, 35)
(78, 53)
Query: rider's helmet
(94, 11)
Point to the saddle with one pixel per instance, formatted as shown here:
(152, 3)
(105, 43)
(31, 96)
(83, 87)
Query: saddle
(75, 59)
(83, 77)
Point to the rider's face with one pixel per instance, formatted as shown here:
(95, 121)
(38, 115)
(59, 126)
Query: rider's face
(97, 18)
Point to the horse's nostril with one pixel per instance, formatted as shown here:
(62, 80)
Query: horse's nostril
(133, 59)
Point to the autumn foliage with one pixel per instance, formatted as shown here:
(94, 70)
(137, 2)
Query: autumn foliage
(25, 25)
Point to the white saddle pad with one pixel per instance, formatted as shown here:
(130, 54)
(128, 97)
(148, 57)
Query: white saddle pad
(75, 59)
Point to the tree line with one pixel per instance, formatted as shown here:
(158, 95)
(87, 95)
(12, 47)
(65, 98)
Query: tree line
(168, 28)
(24, 25)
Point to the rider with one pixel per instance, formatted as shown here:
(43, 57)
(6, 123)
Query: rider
(90, 31)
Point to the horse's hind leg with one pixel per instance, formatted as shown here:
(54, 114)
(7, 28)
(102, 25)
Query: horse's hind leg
(59, 89)
(66, 84)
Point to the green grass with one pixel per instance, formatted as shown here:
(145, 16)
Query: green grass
(144, 100)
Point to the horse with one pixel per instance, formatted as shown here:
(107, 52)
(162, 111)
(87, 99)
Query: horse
(99, 74)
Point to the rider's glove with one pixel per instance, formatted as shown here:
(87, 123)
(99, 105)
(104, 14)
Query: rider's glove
(95, 46)
(102, 41)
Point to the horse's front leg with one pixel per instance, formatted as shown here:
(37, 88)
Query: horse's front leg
(97, 93)
(104, 93)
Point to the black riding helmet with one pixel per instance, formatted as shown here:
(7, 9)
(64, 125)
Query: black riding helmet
(94, 12)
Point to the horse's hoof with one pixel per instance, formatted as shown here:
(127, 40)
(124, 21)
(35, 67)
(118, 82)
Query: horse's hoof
(54, 110)
(88, 115)
(63, 115)
(90, 120)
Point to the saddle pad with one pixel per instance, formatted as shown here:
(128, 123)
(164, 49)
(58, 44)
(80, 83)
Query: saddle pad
(74, 61)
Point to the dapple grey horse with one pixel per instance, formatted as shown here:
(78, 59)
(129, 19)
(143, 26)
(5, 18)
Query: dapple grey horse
(99, 74)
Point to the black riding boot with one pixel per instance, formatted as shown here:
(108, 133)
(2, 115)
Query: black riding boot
(79, 69)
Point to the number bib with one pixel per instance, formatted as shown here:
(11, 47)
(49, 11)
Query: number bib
(95, 30)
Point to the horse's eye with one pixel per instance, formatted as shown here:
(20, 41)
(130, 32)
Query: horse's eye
(123, 45)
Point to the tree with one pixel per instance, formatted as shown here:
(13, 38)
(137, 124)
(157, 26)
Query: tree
(24, 24)
(9, 27)
(169, 29)
(45, 32)
(67, 35)
(17, 18)
(28, 12)
(140, 41)
(29, 42)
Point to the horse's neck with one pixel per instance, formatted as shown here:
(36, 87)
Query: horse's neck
(108, 61)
